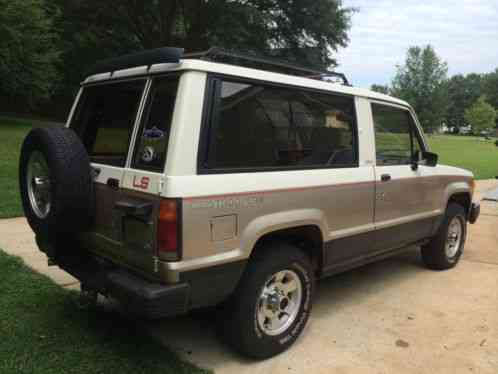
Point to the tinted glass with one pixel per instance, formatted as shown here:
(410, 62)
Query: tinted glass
(153, 137)
(104, 119)
(257, 126)
(395, 140)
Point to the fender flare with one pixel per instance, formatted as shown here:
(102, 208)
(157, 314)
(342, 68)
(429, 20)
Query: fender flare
(456, 188)
(267, 224)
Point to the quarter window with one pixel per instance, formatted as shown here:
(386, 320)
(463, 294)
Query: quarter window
(259, 126)
(396, 140)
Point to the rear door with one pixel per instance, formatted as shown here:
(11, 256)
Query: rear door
(109, 117)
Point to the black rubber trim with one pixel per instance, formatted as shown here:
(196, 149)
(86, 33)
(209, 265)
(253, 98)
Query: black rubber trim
(475, 211)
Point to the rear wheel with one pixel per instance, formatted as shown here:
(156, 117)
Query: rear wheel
(446, 248)
(272, 303)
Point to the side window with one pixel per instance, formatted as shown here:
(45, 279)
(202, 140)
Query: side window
(104, 119)
(153, 136)
(396, 142)
(259, 126)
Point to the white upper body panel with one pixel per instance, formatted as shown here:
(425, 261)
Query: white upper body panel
(238, 71)
(181, 164)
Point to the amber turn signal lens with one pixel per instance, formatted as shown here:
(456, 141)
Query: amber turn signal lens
(168, 211)
(472, 186)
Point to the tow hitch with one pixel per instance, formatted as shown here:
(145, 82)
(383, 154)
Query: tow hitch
(88, 297)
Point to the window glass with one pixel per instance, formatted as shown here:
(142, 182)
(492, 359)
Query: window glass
(258, 126)
(395, 140)
(153, 137)
(104, 119)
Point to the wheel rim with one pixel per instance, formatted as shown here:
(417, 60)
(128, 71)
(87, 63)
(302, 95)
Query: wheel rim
(38, 183)
(454, 237)
(279, 302)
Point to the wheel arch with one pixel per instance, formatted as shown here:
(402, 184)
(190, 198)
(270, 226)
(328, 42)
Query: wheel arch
(459, 193)
(462, 198)
(306, 233)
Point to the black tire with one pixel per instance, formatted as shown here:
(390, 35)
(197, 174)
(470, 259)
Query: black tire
(238, 325)
(71, 186)
(434, 253)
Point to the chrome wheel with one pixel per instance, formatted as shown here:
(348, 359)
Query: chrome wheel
(38, 184)
(279, 302)
(454, 237)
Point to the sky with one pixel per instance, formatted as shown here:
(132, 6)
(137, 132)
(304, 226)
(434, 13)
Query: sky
(464, 33)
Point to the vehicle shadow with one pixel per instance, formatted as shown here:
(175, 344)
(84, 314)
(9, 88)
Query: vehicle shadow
(194, 336)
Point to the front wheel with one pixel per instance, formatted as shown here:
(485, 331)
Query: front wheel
(445, 249)
(272, 303)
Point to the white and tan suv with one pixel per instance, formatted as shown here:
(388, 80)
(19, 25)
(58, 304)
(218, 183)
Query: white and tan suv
(186, 181)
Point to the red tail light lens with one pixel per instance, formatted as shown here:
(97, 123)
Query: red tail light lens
(168, 229)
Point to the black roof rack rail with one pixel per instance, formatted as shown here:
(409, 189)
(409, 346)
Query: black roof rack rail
(217, 54)
(144, 58)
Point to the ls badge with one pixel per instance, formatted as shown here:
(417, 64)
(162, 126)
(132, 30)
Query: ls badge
(142, 183)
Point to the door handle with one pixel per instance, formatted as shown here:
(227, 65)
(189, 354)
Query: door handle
(113, 183)
(385, 177)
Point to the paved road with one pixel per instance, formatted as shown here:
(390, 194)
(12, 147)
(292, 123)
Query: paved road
(390, 317)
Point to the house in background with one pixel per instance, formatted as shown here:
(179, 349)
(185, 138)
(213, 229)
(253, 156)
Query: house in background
(465, 130)
(444, 129)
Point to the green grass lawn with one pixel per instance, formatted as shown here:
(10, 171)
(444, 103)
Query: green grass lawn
(43, 331)
(472, 153)
(12, 133)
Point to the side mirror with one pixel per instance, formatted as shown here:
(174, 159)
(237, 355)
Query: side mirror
(424, 158)
(429, 158)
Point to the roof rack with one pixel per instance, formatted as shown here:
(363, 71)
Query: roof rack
(217, 54)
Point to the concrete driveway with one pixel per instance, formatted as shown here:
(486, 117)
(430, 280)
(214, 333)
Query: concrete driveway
(389, 317)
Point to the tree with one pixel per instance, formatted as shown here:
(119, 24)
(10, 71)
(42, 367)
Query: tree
(28, 52)
(303, 31)
(490, 88)
(380, 88)
(287, 29)
(481, 116)
(82, 42)
(463, 91)
(421, 82)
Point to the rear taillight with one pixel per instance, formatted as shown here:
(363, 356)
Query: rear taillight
(168, 230)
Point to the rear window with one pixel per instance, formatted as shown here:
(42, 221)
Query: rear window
(257, 127)
(104, 119)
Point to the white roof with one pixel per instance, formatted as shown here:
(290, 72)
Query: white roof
(243, 72)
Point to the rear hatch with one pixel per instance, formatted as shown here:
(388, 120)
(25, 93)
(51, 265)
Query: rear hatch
(125, 127)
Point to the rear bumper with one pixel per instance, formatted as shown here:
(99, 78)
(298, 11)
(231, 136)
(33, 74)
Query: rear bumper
(139, 296)
(475, 211)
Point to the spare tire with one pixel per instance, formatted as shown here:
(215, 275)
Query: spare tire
(56, 182)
